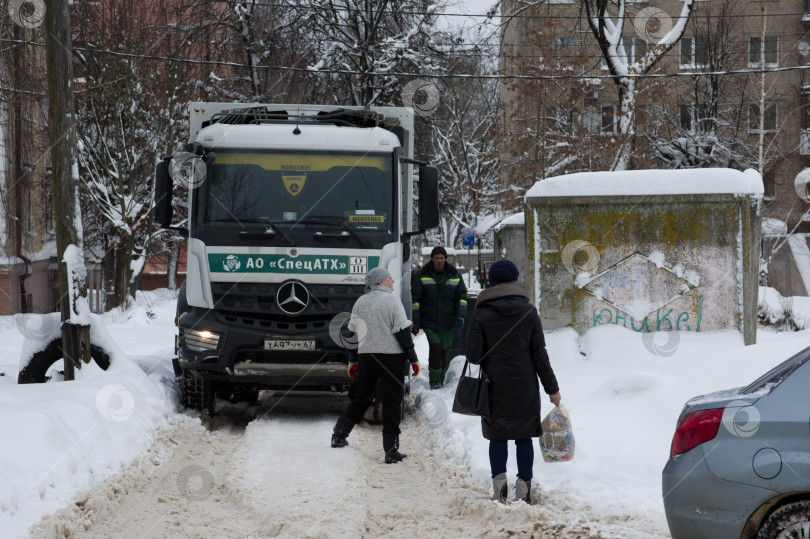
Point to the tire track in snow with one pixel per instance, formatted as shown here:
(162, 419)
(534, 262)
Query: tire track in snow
(280, 478)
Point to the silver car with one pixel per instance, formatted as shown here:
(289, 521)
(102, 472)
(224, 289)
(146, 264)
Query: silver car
(739, 465)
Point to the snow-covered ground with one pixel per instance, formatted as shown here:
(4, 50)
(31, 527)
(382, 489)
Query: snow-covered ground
(61, 440)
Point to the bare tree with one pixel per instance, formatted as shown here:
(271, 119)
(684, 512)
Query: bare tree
(360, 45)
(464, 135)
(607, 20)
(131, 111)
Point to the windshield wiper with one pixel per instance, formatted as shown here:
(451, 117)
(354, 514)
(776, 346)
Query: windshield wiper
(334, 221)
(270, 232)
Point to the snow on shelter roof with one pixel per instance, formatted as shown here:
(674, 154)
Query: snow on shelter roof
(650, 182)
(514, 219)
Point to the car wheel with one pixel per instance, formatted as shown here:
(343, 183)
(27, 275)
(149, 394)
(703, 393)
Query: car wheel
(791, 521)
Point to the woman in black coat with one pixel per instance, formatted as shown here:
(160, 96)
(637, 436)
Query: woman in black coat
(506, 338)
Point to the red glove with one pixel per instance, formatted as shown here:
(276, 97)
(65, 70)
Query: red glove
(415, 367)
(352, 370)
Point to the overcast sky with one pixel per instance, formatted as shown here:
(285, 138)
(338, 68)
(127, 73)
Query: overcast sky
(473, 24)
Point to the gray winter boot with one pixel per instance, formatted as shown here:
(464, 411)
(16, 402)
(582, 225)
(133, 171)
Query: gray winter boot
(523, 491)
(499, 488)
(341, 431)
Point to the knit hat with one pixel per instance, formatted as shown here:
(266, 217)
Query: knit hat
(376, 276)
(438, 250)
(503, 271)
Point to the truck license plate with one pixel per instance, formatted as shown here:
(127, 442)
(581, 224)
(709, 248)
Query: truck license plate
(275, 344)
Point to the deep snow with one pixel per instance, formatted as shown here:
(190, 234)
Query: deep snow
(624, 390)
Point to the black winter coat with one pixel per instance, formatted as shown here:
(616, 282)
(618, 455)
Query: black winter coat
(506, 338)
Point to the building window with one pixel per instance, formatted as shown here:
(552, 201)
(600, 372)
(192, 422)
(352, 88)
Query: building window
(804, 135)
(695, 117)
(756, 51)
(805, 108)
(769, 118)
(694, 52)
(590, 120)
(769, 182)
(564, 47)
(608, 124)
(633, 48)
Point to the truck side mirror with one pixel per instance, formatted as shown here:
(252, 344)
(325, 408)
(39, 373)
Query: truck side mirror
(163, 194)
(428, 197)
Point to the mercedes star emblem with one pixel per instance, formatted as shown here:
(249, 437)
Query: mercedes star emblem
(292, 297)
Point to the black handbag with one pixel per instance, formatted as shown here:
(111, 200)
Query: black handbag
(472, 394)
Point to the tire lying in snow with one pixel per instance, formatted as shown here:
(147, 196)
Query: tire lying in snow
(36, 370)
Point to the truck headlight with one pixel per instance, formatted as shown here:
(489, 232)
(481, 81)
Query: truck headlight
(200, 340)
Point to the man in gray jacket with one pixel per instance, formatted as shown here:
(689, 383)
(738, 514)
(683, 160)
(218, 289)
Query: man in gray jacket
(385, 344)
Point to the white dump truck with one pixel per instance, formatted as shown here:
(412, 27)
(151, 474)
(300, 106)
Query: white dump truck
(289, 206)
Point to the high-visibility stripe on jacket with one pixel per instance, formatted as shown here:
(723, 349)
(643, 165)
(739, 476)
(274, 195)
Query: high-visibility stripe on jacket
(438, 298)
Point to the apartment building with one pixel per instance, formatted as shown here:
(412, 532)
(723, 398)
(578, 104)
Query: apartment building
(732, 92)
(28, 271)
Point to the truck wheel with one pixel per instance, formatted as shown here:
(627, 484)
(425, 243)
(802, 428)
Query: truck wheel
(36, 370)
(223, 390)
(197, 393)
(791, 520)
(245, 393)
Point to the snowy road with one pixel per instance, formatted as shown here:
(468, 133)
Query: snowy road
(268, 471)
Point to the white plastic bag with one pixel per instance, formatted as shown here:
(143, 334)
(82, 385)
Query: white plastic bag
(557, 441)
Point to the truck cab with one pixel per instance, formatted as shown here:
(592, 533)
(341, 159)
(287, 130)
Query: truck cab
(289, 206)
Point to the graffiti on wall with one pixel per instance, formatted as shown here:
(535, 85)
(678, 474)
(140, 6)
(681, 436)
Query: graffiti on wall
(664, 319)
(639, 285)
(637, 289)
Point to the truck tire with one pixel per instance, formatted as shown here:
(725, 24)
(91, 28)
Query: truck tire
(196, 393)
(791, 520)
(245, 393)
(36, 370)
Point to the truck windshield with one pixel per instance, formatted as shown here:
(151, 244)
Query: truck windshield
(305, 199)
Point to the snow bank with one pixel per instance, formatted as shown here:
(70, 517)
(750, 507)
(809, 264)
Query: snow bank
(63, 438)
(625, 391)
(776, 310)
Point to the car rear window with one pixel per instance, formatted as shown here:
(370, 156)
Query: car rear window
(775, 376)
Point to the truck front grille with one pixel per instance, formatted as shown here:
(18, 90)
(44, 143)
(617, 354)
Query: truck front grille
(274, 324)
(260, 299)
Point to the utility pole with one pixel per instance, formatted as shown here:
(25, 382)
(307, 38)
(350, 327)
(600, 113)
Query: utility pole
(69, 240)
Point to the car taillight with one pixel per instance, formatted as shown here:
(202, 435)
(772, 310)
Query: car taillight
(695, 429)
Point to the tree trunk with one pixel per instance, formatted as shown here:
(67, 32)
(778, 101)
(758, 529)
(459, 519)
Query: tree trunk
(627, 129)
(108, 272)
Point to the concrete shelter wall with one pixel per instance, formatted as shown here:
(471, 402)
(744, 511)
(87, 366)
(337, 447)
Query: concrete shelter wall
(648, 263)
(510, 243)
